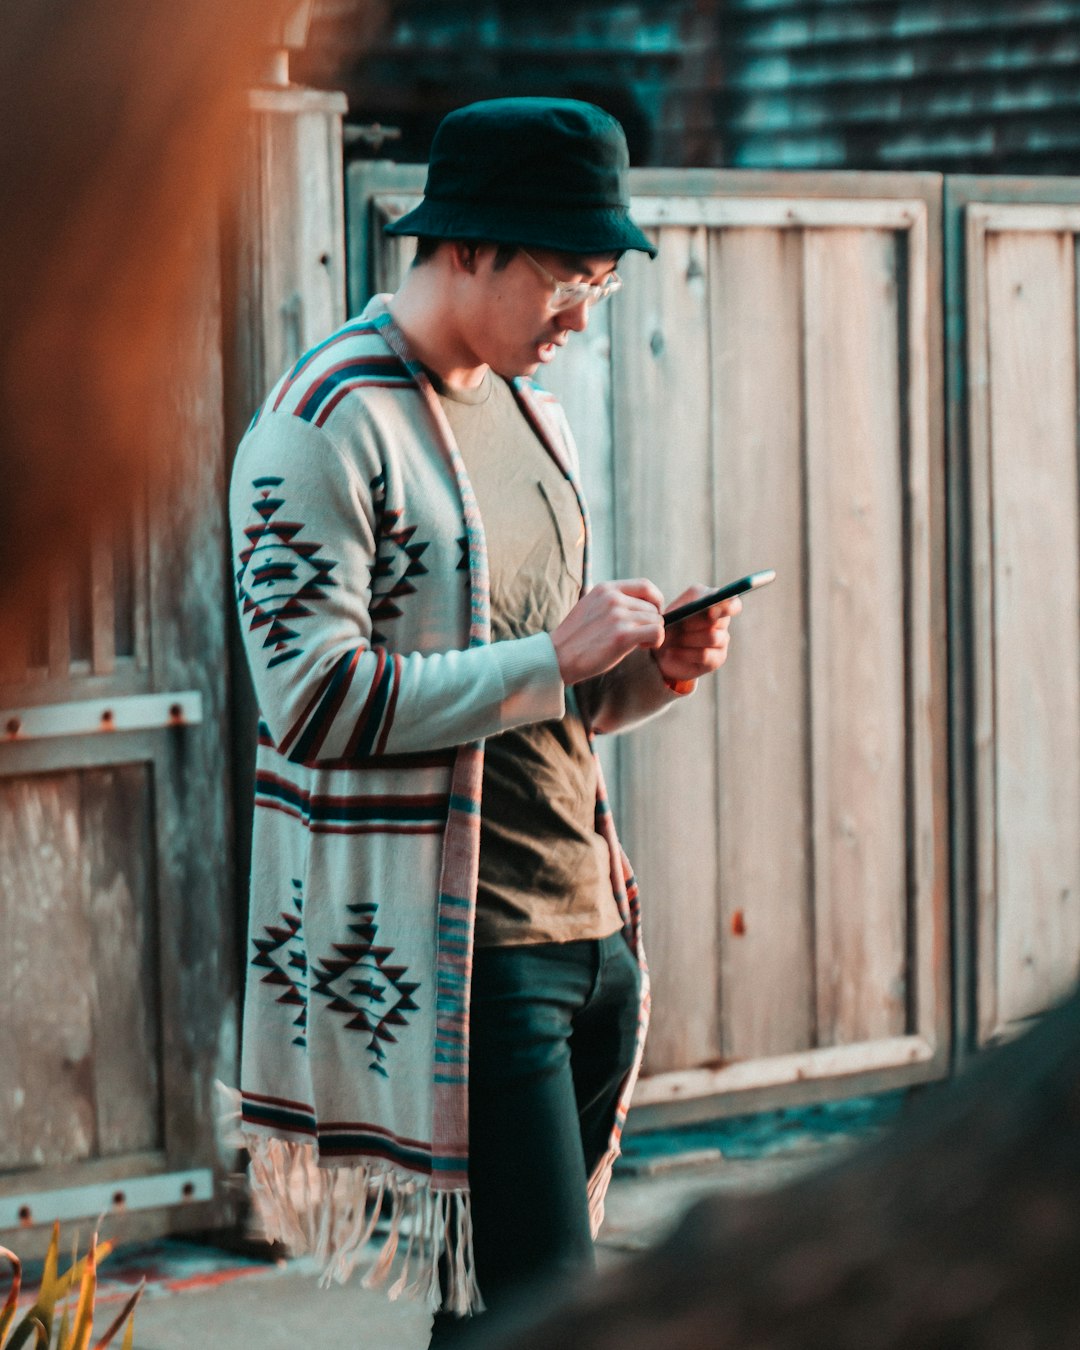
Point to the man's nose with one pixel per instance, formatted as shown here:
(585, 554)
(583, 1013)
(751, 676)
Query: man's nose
(576, 318)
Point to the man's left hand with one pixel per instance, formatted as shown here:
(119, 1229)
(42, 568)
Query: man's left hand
(698, 645)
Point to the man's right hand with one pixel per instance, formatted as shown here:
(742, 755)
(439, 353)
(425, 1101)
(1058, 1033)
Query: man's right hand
(605, 625)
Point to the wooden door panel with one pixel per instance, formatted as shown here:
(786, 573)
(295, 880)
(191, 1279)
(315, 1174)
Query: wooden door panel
(1020, 399)
(80, 993)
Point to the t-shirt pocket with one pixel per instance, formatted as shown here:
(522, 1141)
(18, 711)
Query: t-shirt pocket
(569, 528)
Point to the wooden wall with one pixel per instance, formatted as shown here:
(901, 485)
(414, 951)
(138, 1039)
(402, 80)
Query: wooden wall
(120, 908)
(116, 910)
(768, 394)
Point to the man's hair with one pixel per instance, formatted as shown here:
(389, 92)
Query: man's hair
(427, 244)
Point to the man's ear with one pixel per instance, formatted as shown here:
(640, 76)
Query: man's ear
(464, 255)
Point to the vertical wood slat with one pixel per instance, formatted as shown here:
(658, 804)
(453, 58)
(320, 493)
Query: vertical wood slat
(285, 235)
(140, 552)
(581, 379)
(297, 267)
(392, 254)
(16, 656)
(664, 510)
(766, 923)
(927, 636)
(985, 814)
(117, 854)
(102, 600)
(59, 604)
(193, 820)
(1025, 496)
(856, 633)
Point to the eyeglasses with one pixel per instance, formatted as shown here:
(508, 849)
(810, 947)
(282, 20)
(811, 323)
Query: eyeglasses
(567, 294)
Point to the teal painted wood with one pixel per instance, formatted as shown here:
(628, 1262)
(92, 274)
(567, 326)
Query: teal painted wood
(952, 86)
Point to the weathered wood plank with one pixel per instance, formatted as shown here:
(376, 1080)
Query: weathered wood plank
(117, 860)
(125, 580)
(58, 593)
(195, 886)
(581, 378)
(286, 234)
(391, 253)
(782, 210)
(857, 612)
(923, 468)
(81, 606)
(367, 182)
(766, 928)
(1038, 218)
(47, 1094)
(981, 653)
(20, 652)
(664, 515)
(103, 609)
(140, 555)
(833, 1062)
(1031, 313)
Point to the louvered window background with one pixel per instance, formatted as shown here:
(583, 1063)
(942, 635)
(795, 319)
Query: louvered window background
(975, 86)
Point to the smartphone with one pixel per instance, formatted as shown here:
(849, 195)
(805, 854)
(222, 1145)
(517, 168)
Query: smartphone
(750, 583)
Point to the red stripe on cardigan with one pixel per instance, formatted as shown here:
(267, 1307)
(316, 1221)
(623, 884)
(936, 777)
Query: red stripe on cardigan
(388, 720)
(365, 711)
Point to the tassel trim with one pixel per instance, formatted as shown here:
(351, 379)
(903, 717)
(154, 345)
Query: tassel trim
(598, 1188)
(333, 1213)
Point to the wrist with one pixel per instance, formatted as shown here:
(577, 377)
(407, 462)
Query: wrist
(676, 685)
(680, 686)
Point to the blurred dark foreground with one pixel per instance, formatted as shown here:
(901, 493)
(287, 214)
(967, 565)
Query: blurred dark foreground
(960, 1228)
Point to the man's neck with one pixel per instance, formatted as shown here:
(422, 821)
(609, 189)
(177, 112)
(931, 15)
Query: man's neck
(419, 309)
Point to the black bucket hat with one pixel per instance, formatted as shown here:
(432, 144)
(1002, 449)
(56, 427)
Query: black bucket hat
(541, 172)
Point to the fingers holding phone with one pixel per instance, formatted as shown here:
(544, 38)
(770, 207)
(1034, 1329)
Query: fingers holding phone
(698, 644)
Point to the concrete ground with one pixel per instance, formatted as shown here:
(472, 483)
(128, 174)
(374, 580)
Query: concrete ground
(283, 1308)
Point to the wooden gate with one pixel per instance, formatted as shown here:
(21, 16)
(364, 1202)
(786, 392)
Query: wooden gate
(116, 915)
(1013, 360)
(768, 394)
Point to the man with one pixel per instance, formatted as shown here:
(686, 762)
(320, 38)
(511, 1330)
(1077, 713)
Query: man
(445, 1007)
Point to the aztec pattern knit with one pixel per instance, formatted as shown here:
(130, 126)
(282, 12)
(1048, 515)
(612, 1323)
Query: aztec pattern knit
(362, 585)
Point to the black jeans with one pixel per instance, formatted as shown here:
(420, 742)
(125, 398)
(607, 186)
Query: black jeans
(552, 1033)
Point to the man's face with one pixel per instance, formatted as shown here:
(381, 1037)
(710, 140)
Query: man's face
(507, 319)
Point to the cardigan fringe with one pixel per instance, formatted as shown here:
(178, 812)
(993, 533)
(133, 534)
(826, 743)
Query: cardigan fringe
(333, 1213)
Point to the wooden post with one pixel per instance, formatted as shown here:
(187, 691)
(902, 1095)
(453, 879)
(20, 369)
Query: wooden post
(286, 234)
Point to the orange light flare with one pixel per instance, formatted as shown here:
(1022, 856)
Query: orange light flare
(121, 125)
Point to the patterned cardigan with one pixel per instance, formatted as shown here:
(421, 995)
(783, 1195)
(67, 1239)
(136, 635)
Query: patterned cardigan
(362, 585)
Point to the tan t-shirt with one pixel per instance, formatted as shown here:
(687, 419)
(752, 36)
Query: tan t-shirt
(544, 871)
